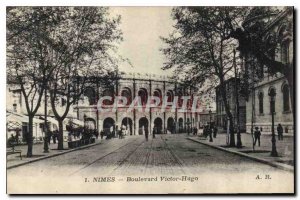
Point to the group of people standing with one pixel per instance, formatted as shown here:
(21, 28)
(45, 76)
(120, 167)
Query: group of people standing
(52, 135)
(81, 133)
(154, 132)
(210, 130)
(257, 134)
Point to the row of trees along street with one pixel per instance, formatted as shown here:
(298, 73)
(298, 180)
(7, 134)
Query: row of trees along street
(201, 47)
(57, 49)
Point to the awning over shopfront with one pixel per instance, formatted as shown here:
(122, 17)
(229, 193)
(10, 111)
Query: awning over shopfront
(78, 122)
(50, 119)
(65, 122)
(15, 120)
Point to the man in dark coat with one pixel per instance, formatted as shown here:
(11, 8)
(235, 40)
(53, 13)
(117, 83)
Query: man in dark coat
(280, 132)
(146, 134)
(102, 134)
(215, 131)
(154, 131)
(257, 134)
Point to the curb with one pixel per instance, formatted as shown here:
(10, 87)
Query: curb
(273, 164)
(50, 156)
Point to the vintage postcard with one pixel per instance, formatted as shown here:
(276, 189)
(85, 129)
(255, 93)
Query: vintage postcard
(150, 100)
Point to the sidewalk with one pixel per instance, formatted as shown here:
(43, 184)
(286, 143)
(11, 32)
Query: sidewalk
(37, 151)
(285, 148)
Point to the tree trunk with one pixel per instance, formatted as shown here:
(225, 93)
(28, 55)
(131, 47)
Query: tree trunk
(228, 113)
(231, 127)
(60, 145)
(29, 136)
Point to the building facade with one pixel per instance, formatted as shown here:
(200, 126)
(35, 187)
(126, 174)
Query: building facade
(259, 105)
(139, 120)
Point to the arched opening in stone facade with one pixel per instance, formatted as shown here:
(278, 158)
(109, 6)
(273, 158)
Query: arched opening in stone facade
(180, 100)
(108, 125)
(158, 125)
(143, 126)
(170, 96)
(286, 98)
(261, 103)
(143, 94)
(126, 92)
(91, 95)
(157, 93)
(284, 37)
(110, 93)
(180, 125)
(171, 125)
(127, 125)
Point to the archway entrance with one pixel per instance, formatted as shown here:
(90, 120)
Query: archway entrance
(143, 126)
(127, 125)
(108, 125)
(171, 125)
(158, 125)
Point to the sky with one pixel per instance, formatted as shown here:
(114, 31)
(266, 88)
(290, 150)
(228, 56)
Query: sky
(142, 28)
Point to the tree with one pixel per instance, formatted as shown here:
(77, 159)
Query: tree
(28, 58)
(200, 50)
(256, 39)
(83, 44)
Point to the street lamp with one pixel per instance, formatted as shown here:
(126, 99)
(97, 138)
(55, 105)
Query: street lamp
(272, 94)
(210, 131)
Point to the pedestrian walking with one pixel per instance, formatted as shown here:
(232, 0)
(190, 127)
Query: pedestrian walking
(210, 130)
(146, 134)
(215, 131)
(205, 131)
(120, 134)
(101, 134)
(280, 132)
(17, 135)
(194, 130)
(154, 131)
(257, 134)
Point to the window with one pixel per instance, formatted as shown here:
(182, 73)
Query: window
(157, 93)
(171, 97)
(143, 95)
(127, 94)
(91, 94)
(286, 98)
(261, 102)
(108, 93)
(285, 52)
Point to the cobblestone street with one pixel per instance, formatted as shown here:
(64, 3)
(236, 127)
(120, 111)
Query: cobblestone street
(166, 155)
